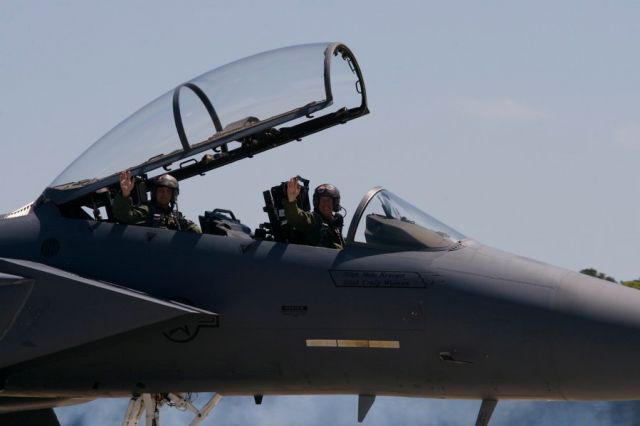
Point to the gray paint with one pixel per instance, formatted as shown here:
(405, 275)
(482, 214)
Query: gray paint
(513, 328)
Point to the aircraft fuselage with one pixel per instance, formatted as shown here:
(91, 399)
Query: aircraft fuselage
(469, 322)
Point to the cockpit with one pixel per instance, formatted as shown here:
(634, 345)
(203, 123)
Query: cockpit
(385, 220)
(234, 112)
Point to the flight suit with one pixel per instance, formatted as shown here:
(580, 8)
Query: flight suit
(316, 230)
(150, 214)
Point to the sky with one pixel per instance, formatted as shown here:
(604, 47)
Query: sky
(516, 123)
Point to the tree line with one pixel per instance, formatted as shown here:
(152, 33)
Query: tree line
(595, 273)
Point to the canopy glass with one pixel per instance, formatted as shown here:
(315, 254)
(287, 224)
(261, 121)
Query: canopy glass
(221, 107)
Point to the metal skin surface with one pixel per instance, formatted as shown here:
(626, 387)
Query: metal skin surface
(473, 322)
(92, 308)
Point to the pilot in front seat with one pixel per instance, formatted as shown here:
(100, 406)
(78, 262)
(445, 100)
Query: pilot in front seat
(323, 226)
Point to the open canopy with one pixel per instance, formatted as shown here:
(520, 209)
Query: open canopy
(233, 111)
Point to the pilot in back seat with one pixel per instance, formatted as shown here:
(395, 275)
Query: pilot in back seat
(160, 212)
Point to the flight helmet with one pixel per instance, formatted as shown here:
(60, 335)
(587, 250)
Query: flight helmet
(168, 181)
(327, 190)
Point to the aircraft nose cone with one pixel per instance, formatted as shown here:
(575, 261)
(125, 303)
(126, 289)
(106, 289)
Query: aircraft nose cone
(596, 337)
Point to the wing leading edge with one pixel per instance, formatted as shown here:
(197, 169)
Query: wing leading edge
(44, 310)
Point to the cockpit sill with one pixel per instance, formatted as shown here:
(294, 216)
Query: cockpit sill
(383, 222)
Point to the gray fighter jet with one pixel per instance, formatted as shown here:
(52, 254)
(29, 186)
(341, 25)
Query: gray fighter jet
(409, 307)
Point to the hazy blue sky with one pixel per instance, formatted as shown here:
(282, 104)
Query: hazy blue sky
(517, 123)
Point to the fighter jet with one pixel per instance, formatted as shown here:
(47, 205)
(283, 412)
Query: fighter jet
(409, 307)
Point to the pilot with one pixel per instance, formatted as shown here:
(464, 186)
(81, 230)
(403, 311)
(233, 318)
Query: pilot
(161, 212)
(323, 226)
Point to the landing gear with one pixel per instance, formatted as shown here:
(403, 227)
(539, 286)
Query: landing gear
(486, 410)
(150, 404)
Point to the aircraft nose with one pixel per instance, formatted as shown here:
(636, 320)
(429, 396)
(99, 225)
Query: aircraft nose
(596, 337)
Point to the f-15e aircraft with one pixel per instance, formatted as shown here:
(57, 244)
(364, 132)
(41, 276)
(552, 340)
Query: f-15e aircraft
(409, 307)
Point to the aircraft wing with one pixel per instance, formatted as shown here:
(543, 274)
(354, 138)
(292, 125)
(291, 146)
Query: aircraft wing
(45, 310)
